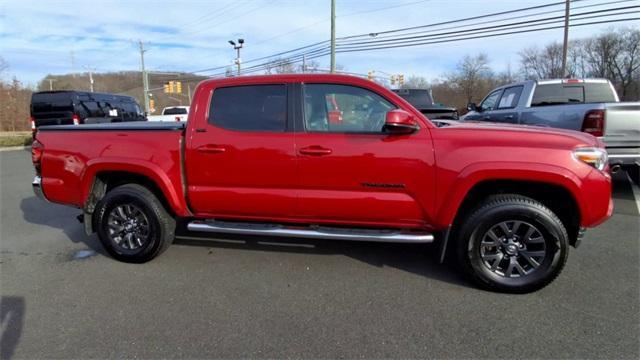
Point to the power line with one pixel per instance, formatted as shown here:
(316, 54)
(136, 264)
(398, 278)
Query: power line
(484, 36)
(317, 50)
(459, 20)
(381, 9)
(542, 21)
(262, 67)
(492, 21)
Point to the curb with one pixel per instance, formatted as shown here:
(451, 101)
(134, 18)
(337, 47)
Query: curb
(14, 148)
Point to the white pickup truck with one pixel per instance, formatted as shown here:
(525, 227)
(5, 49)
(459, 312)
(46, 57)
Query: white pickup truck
(172, 113)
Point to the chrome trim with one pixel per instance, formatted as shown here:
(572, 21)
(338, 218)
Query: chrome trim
(36, 184)
(312, 233)
(624, 156)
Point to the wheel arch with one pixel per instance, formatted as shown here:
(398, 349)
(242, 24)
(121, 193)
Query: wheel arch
(555, 187)
(100, 178)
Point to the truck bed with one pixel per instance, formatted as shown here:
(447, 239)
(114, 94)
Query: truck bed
(75, 154)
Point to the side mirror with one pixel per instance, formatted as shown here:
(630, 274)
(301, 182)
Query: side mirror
(473, 107)
(400, 122)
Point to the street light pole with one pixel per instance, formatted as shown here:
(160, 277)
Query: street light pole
(565, 44)
(333, 36)
(90, 70)
(237, 47)
(145, 78)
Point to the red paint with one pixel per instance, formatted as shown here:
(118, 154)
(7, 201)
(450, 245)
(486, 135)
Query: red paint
(408, 180)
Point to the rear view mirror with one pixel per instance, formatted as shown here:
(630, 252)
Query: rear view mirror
(473, 107)
(400, 122)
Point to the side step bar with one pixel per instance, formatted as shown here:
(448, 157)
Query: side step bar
(329, 233)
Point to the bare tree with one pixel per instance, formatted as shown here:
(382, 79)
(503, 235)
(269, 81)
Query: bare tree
(542, 64)
(472, 76)
(280, 66)
(416, 82)
(4, 65)
(615, 55)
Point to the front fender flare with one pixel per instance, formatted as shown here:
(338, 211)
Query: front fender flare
(515, 171)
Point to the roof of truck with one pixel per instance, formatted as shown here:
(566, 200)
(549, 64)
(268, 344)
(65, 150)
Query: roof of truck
(290, 78)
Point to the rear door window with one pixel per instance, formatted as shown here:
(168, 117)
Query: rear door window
(93, 108)
(250, 108)
(510, 98)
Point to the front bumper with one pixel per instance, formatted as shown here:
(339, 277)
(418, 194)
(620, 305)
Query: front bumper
(36, 184)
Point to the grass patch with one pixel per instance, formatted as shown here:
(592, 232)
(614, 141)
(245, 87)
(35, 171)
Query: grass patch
(22, 138)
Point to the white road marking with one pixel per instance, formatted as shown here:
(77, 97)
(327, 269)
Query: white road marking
(636, 192)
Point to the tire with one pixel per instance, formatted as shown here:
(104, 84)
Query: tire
(488, 248)
(133, 225)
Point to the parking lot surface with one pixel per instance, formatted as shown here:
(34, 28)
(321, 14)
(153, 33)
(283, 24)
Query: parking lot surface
(62, 297)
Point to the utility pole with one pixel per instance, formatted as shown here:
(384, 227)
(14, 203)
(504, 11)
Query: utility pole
(333, 36)
(189, 89)
(73, 63)
(51, 84)
(90, 70)
(565, 44)
(145, 78)
(304, 63)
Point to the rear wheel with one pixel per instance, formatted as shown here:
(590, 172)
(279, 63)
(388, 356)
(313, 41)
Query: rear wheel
(512, 243)
(133, 225)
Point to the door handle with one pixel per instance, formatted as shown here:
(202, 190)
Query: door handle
(212, 149)
(487, 117)
(509, 117)
(315, 151)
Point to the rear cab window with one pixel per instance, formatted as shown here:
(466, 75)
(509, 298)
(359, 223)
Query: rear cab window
(250, 108)
(568, 93)
(175, 111)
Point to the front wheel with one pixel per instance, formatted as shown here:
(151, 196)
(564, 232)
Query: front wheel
(512, 243)
(133, 225)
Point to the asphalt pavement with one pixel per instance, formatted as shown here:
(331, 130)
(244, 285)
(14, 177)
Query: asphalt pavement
(63, 297)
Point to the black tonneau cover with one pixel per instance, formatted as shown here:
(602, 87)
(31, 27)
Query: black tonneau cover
(129, 126)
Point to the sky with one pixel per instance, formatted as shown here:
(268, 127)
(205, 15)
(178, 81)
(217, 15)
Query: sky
(40, 37)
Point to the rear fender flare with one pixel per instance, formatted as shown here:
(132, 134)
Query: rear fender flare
(147, 169)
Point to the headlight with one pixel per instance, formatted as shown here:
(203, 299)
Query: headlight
(595, 157)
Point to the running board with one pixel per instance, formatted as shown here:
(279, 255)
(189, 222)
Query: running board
(317, 232)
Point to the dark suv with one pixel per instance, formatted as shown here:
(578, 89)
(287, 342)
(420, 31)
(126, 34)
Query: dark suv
(78, 107)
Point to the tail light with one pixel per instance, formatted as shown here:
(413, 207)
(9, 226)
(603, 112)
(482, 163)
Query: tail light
(76, 119)
(37, 149)
(32, 120)
(594, 123)
(178, 118)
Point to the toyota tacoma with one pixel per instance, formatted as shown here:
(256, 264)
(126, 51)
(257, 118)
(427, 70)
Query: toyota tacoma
(259, 155)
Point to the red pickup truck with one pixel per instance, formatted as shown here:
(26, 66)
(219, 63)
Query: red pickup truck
(260, 155)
